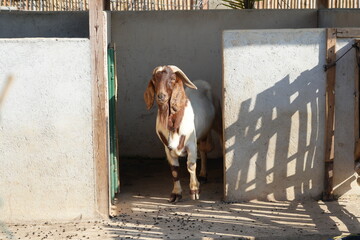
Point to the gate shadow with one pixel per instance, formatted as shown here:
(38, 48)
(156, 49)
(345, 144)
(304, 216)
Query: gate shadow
(278, 148)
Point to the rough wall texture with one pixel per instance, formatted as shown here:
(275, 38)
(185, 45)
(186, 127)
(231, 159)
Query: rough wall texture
(274, 114)
(190, 40)
(339, 18)
(46, 153)
(44, 24)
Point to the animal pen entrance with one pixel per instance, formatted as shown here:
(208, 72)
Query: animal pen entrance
(149, 178)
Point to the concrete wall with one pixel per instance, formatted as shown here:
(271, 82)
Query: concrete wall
(45, 121)
(44, 24)
(274, 86)
(46, 153)
(190, 40)
(339, 18)
(274, 115)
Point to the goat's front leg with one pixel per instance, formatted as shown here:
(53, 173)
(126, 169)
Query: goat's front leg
(191, 166)
(176, 193)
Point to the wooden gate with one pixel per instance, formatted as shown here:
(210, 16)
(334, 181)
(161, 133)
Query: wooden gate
(332, 35)
(114, 180)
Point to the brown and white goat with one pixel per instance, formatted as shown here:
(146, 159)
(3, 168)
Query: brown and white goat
(183, 123)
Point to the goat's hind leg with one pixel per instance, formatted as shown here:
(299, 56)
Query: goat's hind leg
(194, 183)
(203, 169)
(204, 146)
(176, 194)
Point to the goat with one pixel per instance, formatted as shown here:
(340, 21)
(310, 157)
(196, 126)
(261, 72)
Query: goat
(183, 123)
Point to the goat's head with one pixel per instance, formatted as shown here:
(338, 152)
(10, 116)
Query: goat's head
(166, 87)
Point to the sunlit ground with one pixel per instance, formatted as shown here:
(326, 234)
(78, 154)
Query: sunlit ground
(142, 212)
(153, 218)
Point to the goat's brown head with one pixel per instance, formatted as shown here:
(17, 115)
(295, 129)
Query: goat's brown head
(166, 87)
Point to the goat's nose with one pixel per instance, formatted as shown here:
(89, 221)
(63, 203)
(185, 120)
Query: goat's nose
(161, 96)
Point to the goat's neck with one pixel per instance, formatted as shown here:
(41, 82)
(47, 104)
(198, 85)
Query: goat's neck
(175, 118)
(164, 112)
(171, 114)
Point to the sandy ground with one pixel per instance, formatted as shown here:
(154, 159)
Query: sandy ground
(142, 212)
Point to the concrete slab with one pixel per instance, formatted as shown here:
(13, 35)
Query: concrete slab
(46, 151)
(274, 114)
(274, 86)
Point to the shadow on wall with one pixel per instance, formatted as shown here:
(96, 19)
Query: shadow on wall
(281, 137)
(4, 91)
(275, 142)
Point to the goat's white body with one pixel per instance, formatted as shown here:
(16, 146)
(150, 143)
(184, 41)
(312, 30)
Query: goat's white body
(203, 107)
(196, 123)
(199, 115)
(187, 128)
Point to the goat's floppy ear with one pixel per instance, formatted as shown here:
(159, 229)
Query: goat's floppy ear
(183, 76)
(149, 94)
(178, 98)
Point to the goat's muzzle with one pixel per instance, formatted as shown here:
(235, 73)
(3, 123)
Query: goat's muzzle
(161, 98)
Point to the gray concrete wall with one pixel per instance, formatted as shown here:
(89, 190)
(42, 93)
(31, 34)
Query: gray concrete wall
(190, 40)
(329, 18)
(44, 24)
(274, 115)
(274, 86)
(46, 152)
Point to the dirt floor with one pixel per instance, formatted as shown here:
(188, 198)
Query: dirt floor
(142, 212)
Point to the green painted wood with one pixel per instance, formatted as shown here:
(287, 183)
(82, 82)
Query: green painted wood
(113, 160)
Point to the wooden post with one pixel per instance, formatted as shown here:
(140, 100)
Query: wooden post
(98, 53)
(330, 114)
(356, 108)
(205, 5)
(357, 113)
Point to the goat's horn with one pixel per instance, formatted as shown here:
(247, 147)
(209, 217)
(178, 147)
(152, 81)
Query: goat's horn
(186, 80)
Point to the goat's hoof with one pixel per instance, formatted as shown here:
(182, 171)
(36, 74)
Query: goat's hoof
(194, 194)
(175, 198)
(202, 179)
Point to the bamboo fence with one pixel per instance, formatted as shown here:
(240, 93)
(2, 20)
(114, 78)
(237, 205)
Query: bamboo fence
(115, 5)
(304, 4)
(149, 5)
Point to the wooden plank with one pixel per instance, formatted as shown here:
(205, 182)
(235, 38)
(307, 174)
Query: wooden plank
(330, 113)
(357, 113)
(348, 33)
(98, 53)
(356, 108)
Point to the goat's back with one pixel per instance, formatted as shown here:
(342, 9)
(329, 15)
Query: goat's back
(203, 106)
